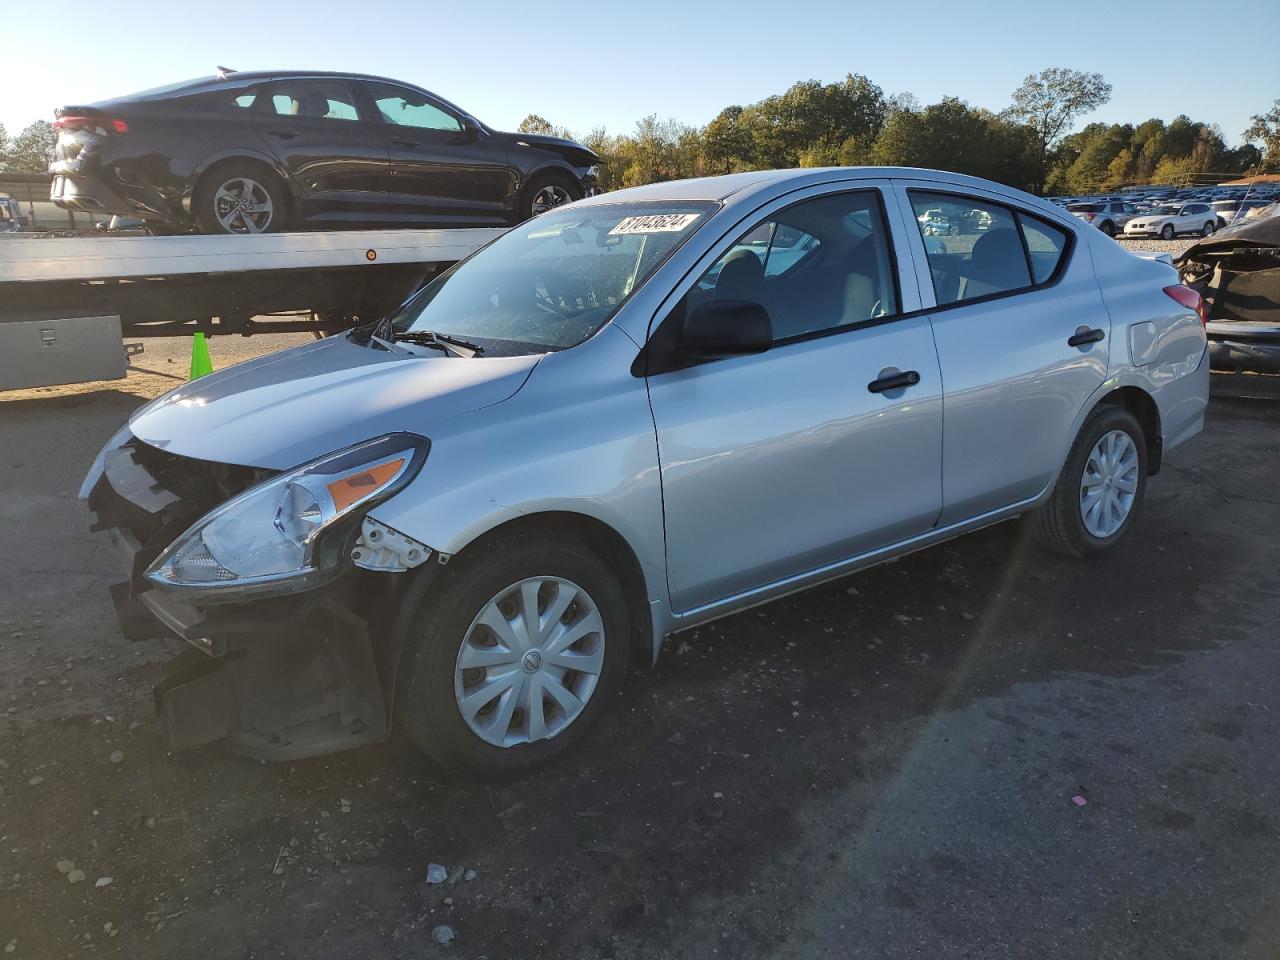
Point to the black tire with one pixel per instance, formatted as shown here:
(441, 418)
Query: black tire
(1108, 228)
(1209, 227)
(1167, 232)
(426, 703)
(204, 199)
(547, 181)
(1058, 523)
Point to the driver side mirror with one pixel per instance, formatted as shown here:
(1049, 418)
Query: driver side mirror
(726, 328)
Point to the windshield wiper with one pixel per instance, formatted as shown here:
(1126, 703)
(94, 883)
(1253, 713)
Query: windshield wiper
(383, 333)
(441, 341)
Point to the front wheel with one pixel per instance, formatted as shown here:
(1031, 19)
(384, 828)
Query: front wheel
(1167, 232)
(512, 655)
(1101, 486)
(547, 192)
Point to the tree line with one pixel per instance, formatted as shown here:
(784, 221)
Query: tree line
(854, 122)
(31, 151)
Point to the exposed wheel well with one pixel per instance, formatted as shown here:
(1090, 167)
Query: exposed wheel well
(602, 539)
(1140, 403)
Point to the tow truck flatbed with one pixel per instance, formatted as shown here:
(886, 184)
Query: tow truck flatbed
(66, 302)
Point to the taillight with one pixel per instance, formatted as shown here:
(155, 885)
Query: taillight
(98, 125)
(1188, 298)
(1090, 217)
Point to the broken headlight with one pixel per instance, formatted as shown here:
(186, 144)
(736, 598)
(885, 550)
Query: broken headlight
(281, 535)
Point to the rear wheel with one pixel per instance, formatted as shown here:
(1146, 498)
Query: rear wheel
(1209, 227)
(1108, 228)
(241, 198)
(513, 655)
(1101, 486)
(546, 192)
(1167, 232)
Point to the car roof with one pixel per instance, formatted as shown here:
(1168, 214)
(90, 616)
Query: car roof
(758, 186)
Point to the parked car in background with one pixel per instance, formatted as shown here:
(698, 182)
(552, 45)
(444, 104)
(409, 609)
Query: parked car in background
(11, 219)
(615, 423)
(270, 151)
(1174, 220)
(1109, 216)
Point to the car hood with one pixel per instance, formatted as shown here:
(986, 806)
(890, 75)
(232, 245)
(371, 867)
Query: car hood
(574, 152)
(287, 408)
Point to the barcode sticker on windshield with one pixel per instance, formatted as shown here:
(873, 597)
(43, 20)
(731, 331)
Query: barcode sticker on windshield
(654, 223)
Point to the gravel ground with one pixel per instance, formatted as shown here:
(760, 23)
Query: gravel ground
(978, 751)
(1173, 247)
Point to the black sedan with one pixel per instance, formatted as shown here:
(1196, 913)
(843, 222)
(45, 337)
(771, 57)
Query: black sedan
(270, 151)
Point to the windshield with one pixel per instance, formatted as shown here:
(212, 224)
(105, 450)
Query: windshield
(553, 281)
(1165, 211)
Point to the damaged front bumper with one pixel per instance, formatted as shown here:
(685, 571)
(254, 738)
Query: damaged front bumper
(275, 678)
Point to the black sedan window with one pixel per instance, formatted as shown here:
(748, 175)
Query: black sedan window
(314, 99)
(409, 108)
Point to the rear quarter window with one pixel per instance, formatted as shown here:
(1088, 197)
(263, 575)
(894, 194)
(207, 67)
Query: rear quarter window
(1046, 246)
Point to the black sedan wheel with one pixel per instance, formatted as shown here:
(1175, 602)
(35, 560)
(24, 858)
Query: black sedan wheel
(546, 193)
(241, 199)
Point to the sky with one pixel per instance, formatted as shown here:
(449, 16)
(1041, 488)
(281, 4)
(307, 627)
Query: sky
(584, 65)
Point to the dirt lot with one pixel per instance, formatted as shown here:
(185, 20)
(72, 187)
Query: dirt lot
(884, 767)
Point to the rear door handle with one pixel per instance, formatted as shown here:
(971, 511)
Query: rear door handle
(283, 134)
(404, 142)
(1083, 336)
(896, 381)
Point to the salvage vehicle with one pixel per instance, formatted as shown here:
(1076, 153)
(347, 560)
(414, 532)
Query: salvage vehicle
(1237, 271)
(270, 151)
(1169, 221)
(469, 516)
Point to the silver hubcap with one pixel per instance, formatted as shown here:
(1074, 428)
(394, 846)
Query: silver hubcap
(242, 205)
(1109, 484)
(529, 662)
(548, 197)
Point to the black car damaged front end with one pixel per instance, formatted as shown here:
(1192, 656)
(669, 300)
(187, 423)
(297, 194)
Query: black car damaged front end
(274, 677)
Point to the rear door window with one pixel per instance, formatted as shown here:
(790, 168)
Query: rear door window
(314, 99)
(974, 247)
(977, 248)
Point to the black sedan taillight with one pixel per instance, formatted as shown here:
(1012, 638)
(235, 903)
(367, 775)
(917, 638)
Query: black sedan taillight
(102, 126)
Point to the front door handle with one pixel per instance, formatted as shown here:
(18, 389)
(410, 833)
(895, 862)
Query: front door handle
(896, 381)
(1083, 336)
(283, 134)
(404, 142)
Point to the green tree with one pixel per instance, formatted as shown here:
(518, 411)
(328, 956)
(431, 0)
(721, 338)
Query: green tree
(535, 124)
(813, 115)
(4, 149)
(727, 142)
(1050, 101)
(951, 135)
(31, 151)
(1264, 129)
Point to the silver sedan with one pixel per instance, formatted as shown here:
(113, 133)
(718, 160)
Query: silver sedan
(622, 419)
